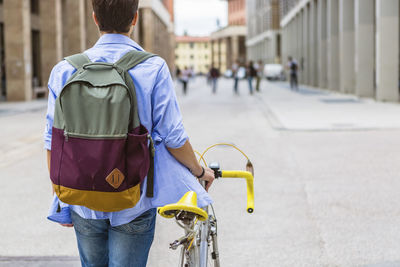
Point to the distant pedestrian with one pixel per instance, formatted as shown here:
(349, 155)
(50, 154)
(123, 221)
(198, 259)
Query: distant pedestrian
(235, 72)
(293, 68)
(184, 78)
(214, 75)
(177, 72)
(259, 68)
(192, 73)
(251, 73)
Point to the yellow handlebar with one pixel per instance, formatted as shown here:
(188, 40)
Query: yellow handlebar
(250, 186)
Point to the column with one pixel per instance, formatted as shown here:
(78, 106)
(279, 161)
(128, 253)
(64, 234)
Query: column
(235, 47)
(231, 59)
(92, 31)
(300, 29)
(313, 43)
(364, 48)
(322, 44)
(212, 53)
(51, 36)
(304, 63)
(148, 26)
(283, 46)
(333, 44)
(292, 38)
(387, 52)
(74, 22)
(346, 46)
(219, 54)
(18, 51)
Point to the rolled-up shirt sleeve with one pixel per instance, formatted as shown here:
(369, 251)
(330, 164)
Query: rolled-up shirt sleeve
(54, 85)
(167, 118)
(49, 118)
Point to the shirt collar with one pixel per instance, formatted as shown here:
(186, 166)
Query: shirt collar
(115, 38)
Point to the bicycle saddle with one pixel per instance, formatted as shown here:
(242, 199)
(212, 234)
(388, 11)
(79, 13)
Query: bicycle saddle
(187, 203)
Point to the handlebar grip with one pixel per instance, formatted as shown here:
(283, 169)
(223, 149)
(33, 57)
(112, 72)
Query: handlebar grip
(250, 185)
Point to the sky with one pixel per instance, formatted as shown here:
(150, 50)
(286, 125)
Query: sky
(199, 17)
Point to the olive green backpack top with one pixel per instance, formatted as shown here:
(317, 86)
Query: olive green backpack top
(100, 152)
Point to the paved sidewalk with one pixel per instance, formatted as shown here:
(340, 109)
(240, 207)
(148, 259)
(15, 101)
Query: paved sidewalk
(52, 261)
(314, 109)
(13, 108)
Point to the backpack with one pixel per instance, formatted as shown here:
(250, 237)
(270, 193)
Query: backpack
(293, 66)
(253, 71)
(100, 152)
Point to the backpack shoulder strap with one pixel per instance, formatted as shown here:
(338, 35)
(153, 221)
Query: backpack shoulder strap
(78, 60)
(133, 58)
(127, 62)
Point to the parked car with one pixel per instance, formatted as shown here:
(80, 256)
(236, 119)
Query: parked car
(274, 72)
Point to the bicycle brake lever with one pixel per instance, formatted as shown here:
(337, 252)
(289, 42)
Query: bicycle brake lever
(216, 168)
(249, 167)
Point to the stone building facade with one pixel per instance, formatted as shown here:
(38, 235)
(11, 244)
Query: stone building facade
(36, 34)
(263, 31)
(193, 52)
(351, 46)
(229, 43)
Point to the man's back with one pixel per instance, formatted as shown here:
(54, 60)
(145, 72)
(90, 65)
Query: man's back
(123, 238)
(158, 112)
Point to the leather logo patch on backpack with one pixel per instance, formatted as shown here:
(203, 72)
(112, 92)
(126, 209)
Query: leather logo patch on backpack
(115, 178)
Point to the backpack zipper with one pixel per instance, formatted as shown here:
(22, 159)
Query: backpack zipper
(67, 135)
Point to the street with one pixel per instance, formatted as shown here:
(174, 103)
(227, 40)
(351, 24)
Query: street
(326, 180)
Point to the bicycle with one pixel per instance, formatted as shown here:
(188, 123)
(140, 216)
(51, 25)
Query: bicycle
(200, 224)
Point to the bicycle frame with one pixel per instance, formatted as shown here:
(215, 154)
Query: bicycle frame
(200, 232)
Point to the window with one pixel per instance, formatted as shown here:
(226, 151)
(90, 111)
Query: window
(191, 57)
(206, 45)
(191, 45)
(35, 7)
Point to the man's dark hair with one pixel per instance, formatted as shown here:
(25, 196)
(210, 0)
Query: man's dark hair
(115, 15)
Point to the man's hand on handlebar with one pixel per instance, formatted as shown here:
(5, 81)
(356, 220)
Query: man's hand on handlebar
(209, 177)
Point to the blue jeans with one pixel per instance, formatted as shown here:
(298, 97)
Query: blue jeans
(101, 245)
(250, 80)
(214, 85)
(235, 86)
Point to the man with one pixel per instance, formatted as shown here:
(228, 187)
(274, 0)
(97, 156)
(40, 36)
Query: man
(235, 70)
(251, 72)
(214, 75)
(184, 78)
(293, 67)
(259, 68)
(124, 238)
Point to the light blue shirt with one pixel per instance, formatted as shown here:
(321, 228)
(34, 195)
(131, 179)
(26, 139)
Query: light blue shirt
(158, 112)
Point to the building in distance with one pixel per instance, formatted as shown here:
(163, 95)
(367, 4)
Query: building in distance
(263, 31)
(193, 52)
(229, 43)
